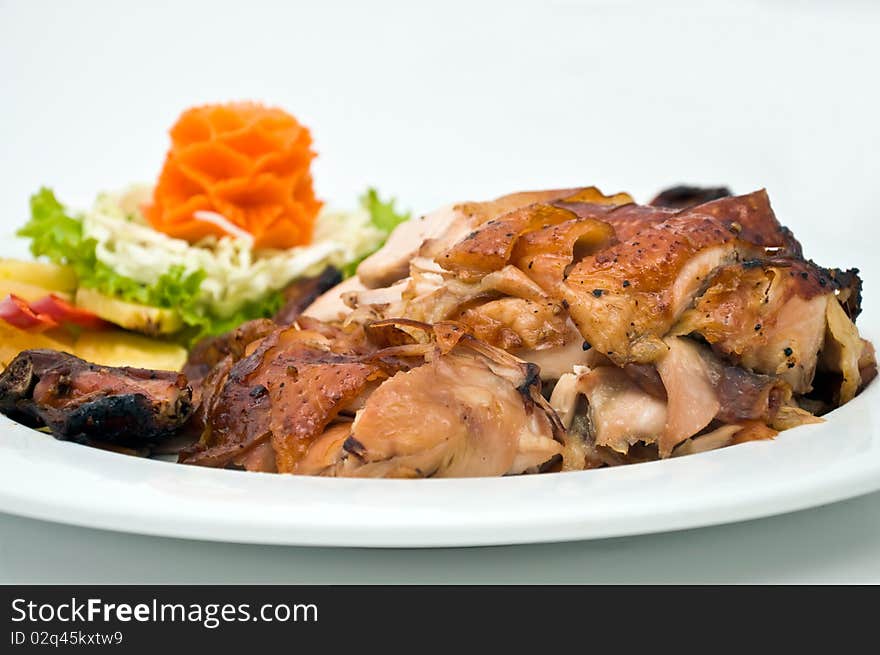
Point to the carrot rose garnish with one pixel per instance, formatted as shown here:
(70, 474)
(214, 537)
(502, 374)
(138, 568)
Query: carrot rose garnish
(237, 168)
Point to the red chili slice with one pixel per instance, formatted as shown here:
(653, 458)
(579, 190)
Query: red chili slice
(62, 311)
(17, 312)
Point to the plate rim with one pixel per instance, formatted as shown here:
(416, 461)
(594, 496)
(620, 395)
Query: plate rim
(849, 478)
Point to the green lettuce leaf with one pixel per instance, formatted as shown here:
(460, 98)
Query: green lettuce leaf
(202, 324)
(383, 216)
(53, 233)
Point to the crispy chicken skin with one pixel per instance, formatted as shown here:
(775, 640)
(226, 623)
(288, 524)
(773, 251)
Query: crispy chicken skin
(284, 393)
(82, 401)
(753, 218)
(768, 317)
(750, 215)
(490, 246)
(464, 413)
(453, 406)
(432, 233)
(626, 297)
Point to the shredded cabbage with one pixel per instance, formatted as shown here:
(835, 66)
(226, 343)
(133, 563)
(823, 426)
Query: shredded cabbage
(234, 274)
(215, 284)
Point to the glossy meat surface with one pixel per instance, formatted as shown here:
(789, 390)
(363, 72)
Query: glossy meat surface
(283, 393)
(626, 297)
(424, 402)
(452, 417)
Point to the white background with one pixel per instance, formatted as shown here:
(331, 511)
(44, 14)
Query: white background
(466, 100)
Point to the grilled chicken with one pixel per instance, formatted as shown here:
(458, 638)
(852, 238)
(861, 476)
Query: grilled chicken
(785, 317)
(505, 308)
(613, 284)
(81, 401)
(432, 234)
(694, 389)
(700, 388)
(662, 330)
(458, 409)
(752, 217)
(471, 411)
(490, 246)
(769, 317)
(283, 393)
(621, 413)
(626, 297)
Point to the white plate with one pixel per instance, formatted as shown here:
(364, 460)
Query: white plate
(804, 467)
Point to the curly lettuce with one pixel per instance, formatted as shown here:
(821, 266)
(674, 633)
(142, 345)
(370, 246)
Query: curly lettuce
(384, 217)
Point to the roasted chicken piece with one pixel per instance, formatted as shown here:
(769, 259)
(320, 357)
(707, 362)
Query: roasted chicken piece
(490, 246)
(504, 308)
(750, 216)
(621, 413)
(469, 410)
(460, 407)
(701, 388)
(502, 286)
(432, 234)
(774, 317)
(459, 267)
(546, 254)
(690, 390)
(282, 395)
(81, 401)
(626, 297)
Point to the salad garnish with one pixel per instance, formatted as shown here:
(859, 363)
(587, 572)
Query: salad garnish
(233, 168)
(231, 222)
